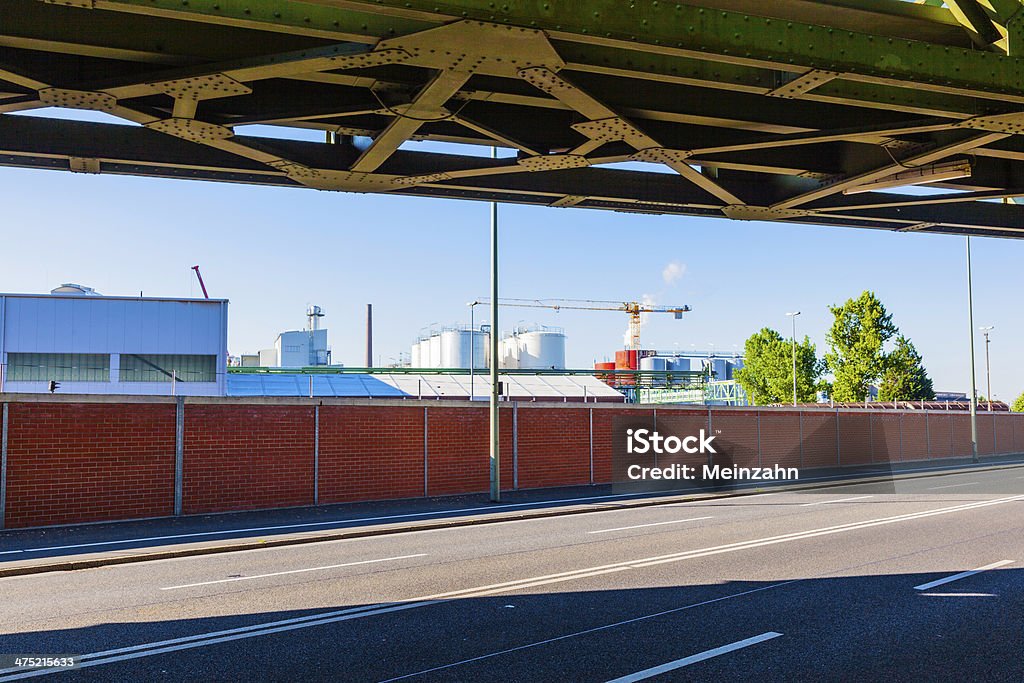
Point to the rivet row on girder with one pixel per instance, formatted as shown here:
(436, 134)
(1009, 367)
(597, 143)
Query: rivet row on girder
(77, 99)
(916, 227)
(1012, 123)
(192, 130)
(422, 179)
(662, 155)
(746, 212)
(611, 130)
(553, 162)
(569, 200)
(803, 84)
(199, 88)
(84, 164)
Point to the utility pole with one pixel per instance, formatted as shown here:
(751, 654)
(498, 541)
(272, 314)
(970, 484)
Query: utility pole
(970, 327)
(793, 315)
(495, 448)
(988, 368)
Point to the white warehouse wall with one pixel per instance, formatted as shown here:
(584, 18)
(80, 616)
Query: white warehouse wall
(62, 323)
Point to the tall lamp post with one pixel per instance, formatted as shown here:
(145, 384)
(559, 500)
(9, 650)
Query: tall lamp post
(495, 447)
(988, 373)
(793, 315)
(472, 349)
(974, 387)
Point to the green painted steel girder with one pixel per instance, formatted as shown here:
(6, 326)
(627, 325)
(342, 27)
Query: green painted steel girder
(650, 25)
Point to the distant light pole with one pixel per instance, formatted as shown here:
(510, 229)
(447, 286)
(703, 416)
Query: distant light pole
(495, 443)
(974, 387)
(793, 315)
(472, 348)
(988, 373)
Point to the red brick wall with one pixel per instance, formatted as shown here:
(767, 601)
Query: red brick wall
(780, 439)
(915, 436)
(940, 436)
(683, 422)
(961, 435)
(81, 462)
(604, 423)
(369, 453)
(819, 435)
(736, 437)
(78, 462)
(885, 437)
(1004, 433)
(554, 446)
(458, 454)
(854, 438)
(247, 457)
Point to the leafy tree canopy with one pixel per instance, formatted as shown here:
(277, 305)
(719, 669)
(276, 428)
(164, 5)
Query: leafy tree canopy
(1018, 405)
(767, 372)
(904, 377)
(858, 335)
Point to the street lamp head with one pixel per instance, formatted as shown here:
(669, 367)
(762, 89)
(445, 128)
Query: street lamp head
(794, 313)
(987, 329)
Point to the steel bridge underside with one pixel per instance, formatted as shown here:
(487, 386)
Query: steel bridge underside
(786, 111)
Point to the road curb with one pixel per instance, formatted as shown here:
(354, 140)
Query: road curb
(589, 508)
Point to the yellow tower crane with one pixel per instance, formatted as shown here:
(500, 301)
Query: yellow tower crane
(635, 309)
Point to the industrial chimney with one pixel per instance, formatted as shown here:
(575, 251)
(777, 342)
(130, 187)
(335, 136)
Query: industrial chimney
(369, 335)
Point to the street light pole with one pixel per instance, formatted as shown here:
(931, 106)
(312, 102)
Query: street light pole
(974, 388)
(793, 315)
(988, 373)
(495, 446)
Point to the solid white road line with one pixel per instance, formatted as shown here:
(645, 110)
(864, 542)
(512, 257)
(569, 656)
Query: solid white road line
(841, 500)
(959, 595)
(588, 631)
(693, 659)
(292, 571)
(641, 526)
(204, 639)
(961, 575)
(951, 486)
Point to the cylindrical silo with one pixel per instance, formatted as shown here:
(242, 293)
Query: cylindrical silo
(415, 360)
(654, 364)
(456, 348)
(434, 351)
(542, 349)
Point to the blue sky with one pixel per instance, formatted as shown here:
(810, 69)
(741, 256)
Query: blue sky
(272, 251)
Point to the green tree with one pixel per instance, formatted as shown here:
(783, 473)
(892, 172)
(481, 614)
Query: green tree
(857, 338)
(904, 377)
(767, 372)
(1018, 405)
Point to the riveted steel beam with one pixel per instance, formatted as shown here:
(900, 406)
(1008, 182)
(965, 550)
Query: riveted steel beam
(943, 152)
(739, 38)
(692, 30)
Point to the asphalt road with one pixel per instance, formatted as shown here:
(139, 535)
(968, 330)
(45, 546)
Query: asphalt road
(844, 584)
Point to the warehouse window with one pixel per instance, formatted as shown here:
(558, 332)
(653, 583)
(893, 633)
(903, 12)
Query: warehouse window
(62, 367)
(162, 367)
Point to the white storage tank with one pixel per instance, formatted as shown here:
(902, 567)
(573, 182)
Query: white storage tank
(414, 359)
(658, 363)
(654, 364)
(456, 348)
(680, 365)
(480, 340)
(540, 348)
(434, 351)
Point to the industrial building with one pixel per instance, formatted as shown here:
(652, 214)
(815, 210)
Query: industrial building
(536, 347)
(298, 348)
(86, 343)
(706, 363)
